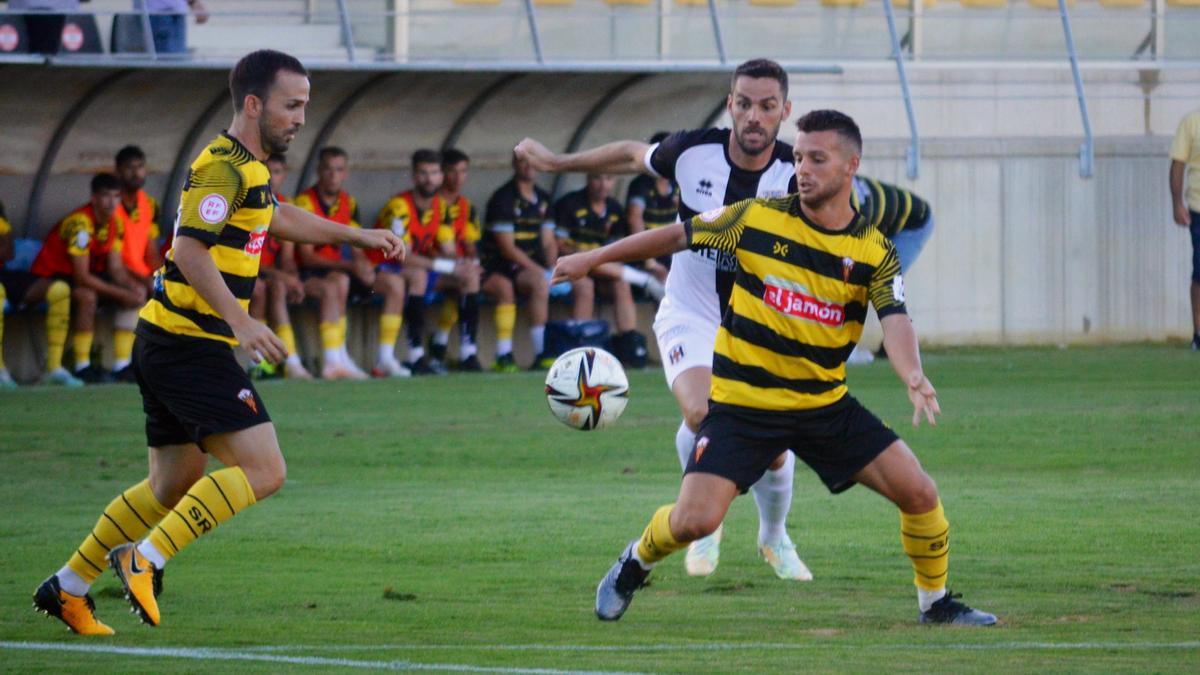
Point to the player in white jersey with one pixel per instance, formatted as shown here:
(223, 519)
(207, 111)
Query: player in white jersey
(713, 168)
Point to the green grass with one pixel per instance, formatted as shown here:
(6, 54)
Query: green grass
(444, 521)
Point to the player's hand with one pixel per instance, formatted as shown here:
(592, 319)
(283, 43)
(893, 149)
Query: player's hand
(382, 240)
(135, 296)
(924, 399)
(260, 342)
(1183, 217)
(294, 289)
(538, 155)
(572, 267)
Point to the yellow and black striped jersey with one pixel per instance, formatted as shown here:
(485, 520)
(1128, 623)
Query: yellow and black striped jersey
(798, 303)
(888, 208)
(226, 203)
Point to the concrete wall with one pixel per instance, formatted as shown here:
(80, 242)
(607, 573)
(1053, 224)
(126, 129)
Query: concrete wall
(1025, 250)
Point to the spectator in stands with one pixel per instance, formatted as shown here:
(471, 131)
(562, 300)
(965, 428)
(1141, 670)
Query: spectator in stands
(326, 272)
(652, 201)
(45, 26)
(584, 220)
(1185, 159)
(519, 251)
(7, 278)
(139, 248)
(168, 22)
(80, 262)
(279, 285)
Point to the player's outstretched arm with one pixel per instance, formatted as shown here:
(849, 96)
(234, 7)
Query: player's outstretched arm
(900, 341)
(641, 246)
(295, 224)
(615, 157)
(193, 259)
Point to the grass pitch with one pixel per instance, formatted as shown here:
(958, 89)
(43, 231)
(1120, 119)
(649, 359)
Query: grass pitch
(452, 524)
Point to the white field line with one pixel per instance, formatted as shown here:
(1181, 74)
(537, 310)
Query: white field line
(739, 646)
(210, 654)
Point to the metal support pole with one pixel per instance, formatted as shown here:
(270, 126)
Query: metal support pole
(534, 35)
(1087, 150)
(914, 145)
(716, 22)
(147, 33)
(347, 33)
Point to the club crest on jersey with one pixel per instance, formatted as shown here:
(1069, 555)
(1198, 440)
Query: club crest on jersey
(847, 268)
(213, 209)
(246, 396)
(796, 301)
(254, 245)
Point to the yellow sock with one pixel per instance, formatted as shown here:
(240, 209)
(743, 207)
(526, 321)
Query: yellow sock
(329, 335)
(926, 539)
(213, 500)
(122, 345)
(657, 542)
(506, 321)
(58, 320)
(341, 324)
(389, 330)
(126, 519)
(285, 333)
(81, 346)
(448, 316)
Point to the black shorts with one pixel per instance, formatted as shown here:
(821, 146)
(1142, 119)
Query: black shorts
(836, 441)
(16, 284)
(191, 388)
(504, 268)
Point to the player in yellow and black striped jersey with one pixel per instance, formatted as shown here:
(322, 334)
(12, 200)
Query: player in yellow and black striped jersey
(198, 400)
(899, 214)
(807, 267)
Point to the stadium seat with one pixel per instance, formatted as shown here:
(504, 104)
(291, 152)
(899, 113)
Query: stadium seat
(14, 38)
(1049, 4)
(127, 36)
(842, 3)
(80, 35)
(906, 3)
(24, 253)
(1117, 4)
(983, 4)
(552, 3)
(703, 3)
(627, 2)
(773, 3)
(1183, 3)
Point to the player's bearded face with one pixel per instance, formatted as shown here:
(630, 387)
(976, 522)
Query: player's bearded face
(427, 178)
(133, 174)
(283, 111)
(758, 108)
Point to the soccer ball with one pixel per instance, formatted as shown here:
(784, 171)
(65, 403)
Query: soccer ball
(587, 388)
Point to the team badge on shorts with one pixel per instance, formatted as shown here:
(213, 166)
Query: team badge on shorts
(676, 354)
(246, 396)
(701, 446)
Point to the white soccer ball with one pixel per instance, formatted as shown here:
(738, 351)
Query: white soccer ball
(587, 388)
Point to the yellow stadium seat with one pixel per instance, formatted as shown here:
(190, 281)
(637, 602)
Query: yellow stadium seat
(692, 2)
(552, 3)
(627, 2)
(1117, 4)
(773, 3)
(985, 4)
(842, 3)
(1049, 4)
(1183, 3)
(906, 3)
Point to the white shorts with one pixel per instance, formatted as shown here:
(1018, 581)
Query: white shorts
(684, 341)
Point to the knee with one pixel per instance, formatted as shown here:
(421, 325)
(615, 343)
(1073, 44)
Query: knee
(694, 413)
(920, 498)
(267, 478)
(690, 524)
(83, 298)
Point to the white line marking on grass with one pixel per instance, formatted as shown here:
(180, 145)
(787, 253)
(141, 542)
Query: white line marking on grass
(740, 646)
(211, 654)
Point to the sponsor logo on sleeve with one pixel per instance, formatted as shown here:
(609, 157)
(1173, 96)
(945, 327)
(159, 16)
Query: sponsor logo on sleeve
(213, 209)
(82, 239)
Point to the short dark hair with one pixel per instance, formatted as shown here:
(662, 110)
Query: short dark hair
(831, 120)
(105, 181)
(659, 136)
(426, 156)
(129, 153)
(277, 157)
(255, 73)
(758, 68)
(452, 156)
(332, 151)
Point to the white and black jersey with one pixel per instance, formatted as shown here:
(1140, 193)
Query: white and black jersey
(698, 161)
